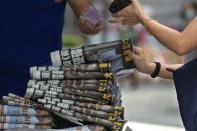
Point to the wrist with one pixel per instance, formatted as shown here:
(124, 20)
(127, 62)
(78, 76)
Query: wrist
(150, 68)
(142, 17)
(91, 15)
(78, 6)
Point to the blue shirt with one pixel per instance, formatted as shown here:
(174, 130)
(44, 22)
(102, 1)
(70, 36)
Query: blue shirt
(29, 31)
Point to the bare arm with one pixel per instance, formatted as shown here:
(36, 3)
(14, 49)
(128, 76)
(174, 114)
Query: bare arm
(179, 42)
(164, 73)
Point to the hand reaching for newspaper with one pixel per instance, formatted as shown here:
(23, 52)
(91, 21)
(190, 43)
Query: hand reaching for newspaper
(140, 61)
(130, 15)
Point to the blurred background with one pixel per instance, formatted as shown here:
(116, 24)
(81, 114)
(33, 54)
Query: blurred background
(146, 100)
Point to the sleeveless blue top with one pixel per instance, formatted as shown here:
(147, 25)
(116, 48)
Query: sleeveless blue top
(29, 31)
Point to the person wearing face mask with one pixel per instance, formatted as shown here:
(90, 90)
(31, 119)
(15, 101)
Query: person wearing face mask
(188, 12)
(182, 43)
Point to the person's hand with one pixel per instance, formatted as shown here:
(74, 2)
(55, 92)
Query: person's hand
(88, 28)
(131, 15)
(140, 60)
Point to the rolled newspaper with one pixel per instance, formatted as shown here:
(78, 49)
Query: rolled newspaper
(80, 98)
(17, 97)
(90, 87)
(90, 94)
(87, 111)
(84, 82)
(103, 67)
(26, 120)
(87, 128)
(32, 93)
(105, 52)
(49, 83)
(78, 128)
(105, 108)
(6, 110)
(62, 75)
(94, 113)
(23, 103)
(4, 126)
(116, 125)
(72, 83)
(47, 88)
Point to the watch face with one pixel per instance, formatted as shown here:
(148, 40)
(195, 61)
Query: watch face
(118, 5)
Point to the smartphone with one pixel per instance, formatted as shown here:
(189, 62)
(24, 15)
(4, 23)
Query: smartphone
(118, 5)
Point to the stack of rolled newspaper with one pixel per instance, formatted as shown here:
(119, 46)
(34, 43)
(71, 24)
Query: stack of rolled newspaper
(93, 100)
(20, 114)
(81, 87)
(81, 84)
(17, 112)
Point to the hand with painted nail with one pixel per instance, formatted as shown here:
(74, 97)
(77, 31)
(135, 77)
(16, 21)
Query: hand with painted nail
(140, 61)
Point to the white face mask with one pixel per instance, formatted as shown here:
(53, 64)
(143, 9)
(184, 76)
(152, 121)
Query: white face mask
(190, 14)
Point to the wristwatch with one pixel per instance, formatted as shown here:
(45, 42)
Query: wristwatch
(157, 70)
